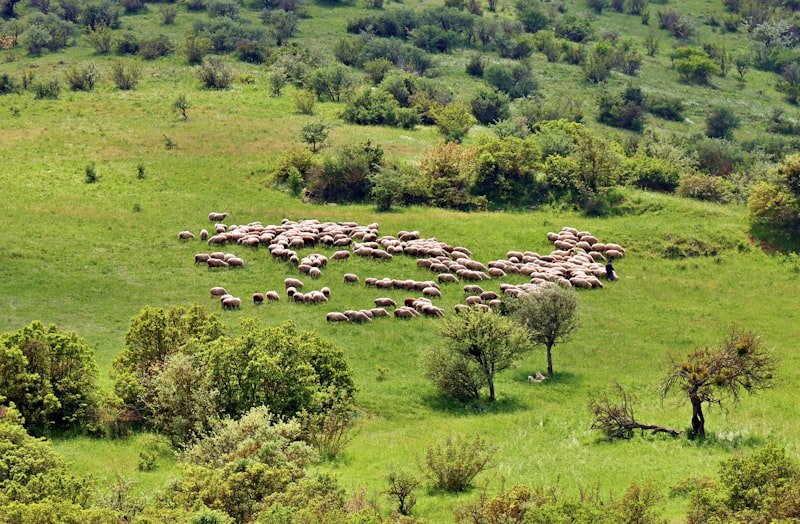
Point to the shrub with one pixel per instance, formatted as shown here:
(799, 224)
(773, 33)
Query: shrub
(453, 465)
(773, 206)
(625, 110)
(152, 48)
(304, 101)
(330, 431)
(168, 14)
(345, 175)
(126, 74)
(195, 48)
(101, 39)
(47, 89)
(297, 159)
(717, 156)
(664, 106)
(9, 84)
(515, 80)
(475, 65)
(653, 173)
(372, 107)
(215, 74)
(694, 65)
(705, 187)
(220, 8)
(315, 134)
(127, 44)
(195, 5)
(490, 105)
(83, 77)
(454, 121)
(401, 489)
(452, 376)
(573, 28)
(721, 122)
(90, 173)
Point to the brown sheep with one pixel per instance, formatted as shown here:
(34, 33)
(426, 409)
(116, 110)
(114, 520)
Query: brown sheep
(340, 255)
(217, 217)
(460, 308)
(273, 296)
(370, 281)
(473, 300)
(326, 291)
(218, 291)
(236, 261)
(385, 302)
(258, 298)
(201, 258)
(379, 312)
(204, 234)
(350, 278)
(357, 316)
(185, 235)
(335, 316)
(497, 272)
(292, 282)
(405, 312)
(384, 284)
(473, 289)
(488, 295)
(446, 277)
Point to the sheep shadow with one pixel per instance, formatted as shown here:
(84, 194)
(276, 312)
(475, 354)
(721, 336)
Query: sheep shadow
(562, 378)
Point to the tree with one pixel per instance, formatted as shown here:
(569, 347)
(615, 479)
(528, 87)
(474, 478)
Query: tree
(694, 65)
(315, 133)
(49, 375)
(616, 420)
(710, 375)
(721, 122)
(454, 121)
(181, 104)
(492, 342)
(550, 314)
(490, 105)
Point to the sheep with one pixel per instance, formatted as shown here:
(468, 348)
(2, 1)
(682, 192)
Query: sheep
(385, 302)
(200, 258)
(185, 235)
(290, 291)
(496, 272)
(314, 272)
(218, 292)
(326, 291)
(335, 316)
(298, 297)
(357, 316)
(236, 262)
(446, 277)
(220, 228)
(217, 217)
(203, 234)
(432, 311)
(340, 255)
(474, 300)
(232, 303)
(405, 312)
(488, 295)
(384, 283)
(292, 282)
(432, 292)
(350, 278)
(258, 298)
(370, 281)
(379, 312)
(215, 262)
(473, 289)
(273, 296)
(460, 308)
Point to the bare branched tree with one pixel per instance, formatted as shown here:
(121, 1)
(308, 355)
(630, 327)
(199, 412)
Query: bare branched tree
(615, 417)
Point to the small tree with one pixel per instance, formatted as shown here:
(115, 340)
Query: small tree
(181, 104)
(721, 122)
(401, 489)
(710, 375)
(550, 314)
(304, 101)
(615, 419)
(454, 121)
(315, 133)
(492, 342)
(215, 74)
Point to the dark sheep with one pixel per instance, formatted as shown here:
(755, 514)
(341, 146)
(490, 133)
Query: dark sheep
(258, 298)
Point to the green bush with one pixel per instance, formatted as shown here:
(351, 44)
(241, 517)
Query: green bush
(195, 48)
(666, 107)
(152, 48)
(127, 44)
(47, 89)
(454, 464)
(126, 74)
(9, 84)
(515, 80)
(705, 187)
(214, 74)
(83, 77)
(345, 175)
(490, 105)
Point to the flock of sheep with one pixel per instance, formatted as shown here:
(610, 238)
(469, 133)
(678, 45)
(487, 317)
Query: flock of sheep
(578, 261)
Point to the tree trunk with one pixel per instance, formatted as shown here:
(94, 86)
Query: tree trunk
(549, 361)
(491, 390)
(698, 420)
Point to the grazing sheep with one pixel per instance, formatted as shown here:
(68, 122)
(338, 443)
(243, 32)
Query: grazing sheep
(258, 298)
(384, 283)
(496, 272)
(218, 292)
(185, 235)
(474, 300)
(273, 296)
(379, 312)
(446, 277)
(215, 262)
(432, 292)
(357, 316)
(405, 312)
(201, 258)
(336, 316)
(430, 310)
(460, 308)
(370, 281)
(385, 302)
(314, 272)
(203, 234)
(326, 291)
(232, 303)
(217, 217)
(298, 297)
(473, 289)
(292, 282)
(488, 295)
(304, 268)
(290, 291)
(220, 228)
(350, 278)
(236, 261)
(340, 255)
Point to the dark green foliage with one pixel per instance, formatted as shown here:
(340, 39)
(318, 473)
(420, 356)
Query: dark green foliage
(475, 65)
(102, 13)
(505, 170)
(532, 16)
(404, 56)
(434, 39)
(46, 32)
(453, 376)
(516, 79)
(90, 173)
(215, 74)
(9, 84)
(454, 464)
(329, 431)
(344, 176)
(779, 123)
(717, 156)
(664, 106)
(281, 25)
(652, 173)
(680, 25)
(223, 8)
(49, 374)
(720, 123)
(377, 107)
(152, 48)
(315, 133)
(397, 184)
(490, 105)
(168, 14)
(226, 33)
(625, 109)
(376, 70)
(330, 83)
(101, 39)
(454, 121)
(694, 65)
(127, 44)
(573, 28)
(46, 89)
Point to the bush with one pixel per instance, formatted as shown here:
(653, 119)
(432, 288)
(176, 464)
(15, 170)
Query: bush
(297, 159)
(666, 107)
(475, 65)
(152, 48)
(126, 75)
(127, 44)
(490, 105)
(704, 187)
(453, 465)
(515, 80)
(168, 14)
(195, 48)
(214, 74)
(220, 8)
(453, 376)
(47, 89)
(101, 39)
(345, 175)
(721, 122)
(304, 101)
(371, 107)
(83, 77)
(653, 173)
(9, 84)
(573, 28)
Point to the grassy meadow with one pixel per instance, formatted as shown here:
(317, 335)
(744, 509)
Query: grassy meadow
(89, 256)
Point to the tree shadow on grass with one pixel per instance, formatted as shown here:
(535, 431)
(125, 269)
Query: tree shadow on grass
(465, 408)
(724, 441)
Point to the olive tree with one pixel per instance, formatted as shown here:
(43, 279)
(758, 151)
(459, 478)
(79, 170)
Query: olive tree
(711, 374)
(550, 314)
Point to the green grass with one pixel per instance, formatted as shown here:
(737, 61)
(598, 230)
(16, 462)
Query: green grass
(89, 257)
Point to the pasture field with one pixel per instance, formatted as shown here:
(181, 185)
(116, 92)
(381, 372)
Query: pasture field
(90, 256)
